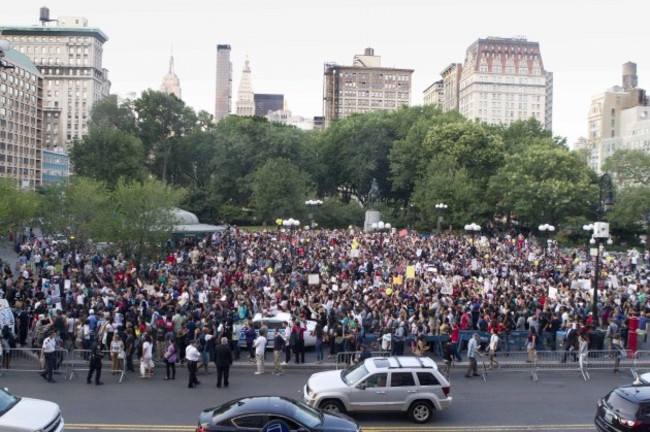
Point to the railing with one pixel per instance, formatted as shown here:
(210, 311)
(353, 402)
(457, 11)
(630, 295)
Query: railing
(79, 361)
(346, 358)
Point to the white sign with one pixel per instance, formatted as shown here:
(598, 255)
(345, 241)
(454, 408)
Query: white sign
(355, 253)
(313, 279)
(552, 292)
(447, 290)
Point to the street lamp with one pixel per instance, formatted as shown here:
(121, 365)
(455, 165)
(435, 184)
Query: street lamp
(473, 228)
(544, 228)
(600, 232)
(441, 207)
(381, 226)
(290, 223)
(311, 204)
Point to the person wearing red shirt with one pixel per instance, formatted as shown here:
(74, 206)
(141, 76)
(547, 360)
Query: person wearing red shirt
(454, 335)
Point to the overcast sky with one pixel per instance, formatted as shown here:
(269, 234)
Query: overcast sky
(583, 42)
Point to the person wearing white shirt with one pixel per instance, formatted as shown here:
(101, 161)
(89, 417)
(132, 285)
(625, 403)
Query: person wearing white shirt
(146, 363)
(192, 355)
(260, 347)
(49, 352)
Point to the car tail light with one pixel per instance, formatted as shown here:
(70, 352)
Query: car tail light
(446, 390)
(630, 423)
(201, 429)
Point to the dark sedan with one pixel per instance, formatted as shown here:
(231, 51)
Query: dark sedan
(272, 413)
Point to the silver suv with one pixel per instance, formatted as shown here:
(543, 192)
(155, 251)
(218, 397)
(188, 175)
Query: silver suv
(405, 384)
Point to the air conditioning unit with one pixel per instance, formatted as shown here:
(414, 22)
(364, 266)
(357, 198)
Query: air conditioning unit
(601, 230)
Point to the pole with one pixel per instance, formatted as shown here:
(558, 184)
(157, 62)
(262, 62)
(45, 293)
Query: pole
(594, 306)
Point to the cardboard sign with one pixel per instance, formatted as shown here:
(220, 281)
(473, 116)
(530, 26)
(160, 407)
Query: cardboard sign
(313, 279)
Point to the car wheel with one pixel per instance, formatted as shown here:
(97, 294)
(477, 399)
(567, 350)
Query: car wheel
(332, 406)
(421, 411)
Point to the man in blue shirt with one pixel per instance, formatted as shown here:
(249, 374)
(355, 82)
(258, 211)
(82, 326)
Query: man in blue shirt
(472, 352)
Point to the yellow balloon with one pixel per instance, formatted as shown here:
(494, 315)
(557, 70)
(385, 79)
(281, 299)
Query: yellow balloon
(269, 270)
(487, 256)
(389, 291)
(536, 263)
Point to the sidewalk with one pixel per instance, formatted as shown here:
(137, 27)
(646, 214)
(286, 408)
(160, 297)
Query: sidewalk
(7, 253)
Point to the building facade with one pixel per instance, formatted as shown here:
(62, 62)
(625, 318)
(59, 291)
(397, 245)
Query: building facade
(171, 84)
(618, 119)
(268, 102)
(245, 95)
(21, 119)
(69, 57)
(501, 80)
(223, 98)
(365, 86)
(434, 95)
(56, 166)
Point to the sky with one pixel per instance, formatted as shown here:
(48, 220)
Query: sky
(583, 42)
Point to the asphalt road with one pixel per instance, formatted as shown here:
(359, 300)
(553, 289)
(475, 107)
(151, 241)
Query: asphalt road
(507, 401)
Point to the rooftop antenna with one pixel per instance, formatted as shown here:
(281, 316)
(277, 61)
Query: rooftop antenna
(44, 16)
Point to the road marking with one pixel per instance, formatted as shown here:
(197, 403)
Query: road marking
(182, 428)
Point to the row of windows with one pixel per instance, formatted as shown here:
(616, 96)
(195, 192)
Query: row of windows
(372, 102)
(375, 77)
(72, 39)
(51, 61)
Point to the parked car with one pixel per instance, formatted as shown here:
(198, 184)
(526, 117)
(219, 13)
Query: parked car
(404, 384)
(274, 323)
(19, 414)
(256, 413)
(626, 408)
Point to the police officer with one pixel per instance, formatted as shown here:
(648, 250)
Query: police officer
(95, 364)
(49, 352)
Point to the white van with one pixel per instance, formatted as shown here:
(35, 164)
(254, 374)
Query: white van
(274, 323)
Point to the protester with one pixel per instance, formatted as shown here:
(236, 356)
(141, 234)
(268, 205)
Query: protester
(223, 359)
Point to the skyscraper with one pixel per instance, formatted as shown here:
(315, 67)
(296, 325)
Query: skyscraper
(268, 102)
(171, 84)
(69, 56)
(365, 86)
(223, 99)
(245, 95)
(500, 81)
(21, 116)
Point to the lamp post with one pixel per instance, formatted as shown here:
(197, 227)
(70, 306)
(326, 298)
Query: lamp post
(441, 207)
(473, 228)
(381, 226)
(546, 228)
(600, 232)
(290, 223)
(311, 204)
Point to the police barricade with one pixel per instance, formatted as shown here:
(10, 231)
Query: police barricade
(642, 360)
(591, 360)
(30, 360)
(436, 344)
(346, 358)
(79, 361)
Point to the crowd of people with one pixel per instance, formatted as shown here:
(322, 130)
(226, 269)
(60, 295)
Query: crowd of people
(397, 286)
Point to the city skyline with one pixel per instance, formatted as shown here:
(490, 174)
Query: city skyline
(289, 42)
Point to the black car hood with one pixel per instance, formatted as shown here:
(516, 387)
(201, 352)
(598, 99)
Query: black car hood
(337, 422)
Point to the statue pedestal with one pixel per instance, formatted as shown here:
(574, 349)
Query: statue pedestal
(372, 216)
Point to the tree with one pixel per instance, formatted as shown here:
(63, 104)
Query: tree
(17, 207)
(543, 183)
(279, 190)
(141, 217)
(77, 209)
(633, 208)
(629, 167)
(107, 154)
(162, 120)
(108, 111)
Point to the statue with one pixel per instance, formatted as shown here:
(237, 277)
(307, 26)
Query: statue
(373, 194)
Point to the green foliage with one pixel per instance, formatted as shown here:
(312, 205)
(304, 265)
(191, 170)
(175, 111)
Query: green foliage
(78, 209)
(279, 190)
(336, 214)
(141, 220)
(629, 167)
(107, 154)
(17, 207)
(632, 210)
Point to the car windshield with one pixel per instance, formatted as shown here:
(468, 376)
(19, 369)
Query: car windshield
(354, 374)
(306, 415)
(7, 401)
(621, 405)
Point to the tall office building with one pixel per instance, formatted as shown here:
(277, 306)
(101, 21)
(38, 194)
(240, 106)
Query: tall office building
(69, 56)
(245, 95)
(21, 118)
(364, 86)
(171, 84)
(223, 99)
(618, 118)
(268, 102)
(500, 81)
(434, 95)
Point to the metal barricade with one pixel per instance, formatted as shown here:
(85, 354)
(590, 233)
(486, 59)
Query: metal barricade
(642, 360)
(79, 361)
(29, 360)
(346, 358)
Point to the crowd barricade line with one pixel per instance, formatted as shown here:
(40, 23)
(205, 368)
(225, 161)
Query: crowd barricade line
(345, 358)
(436, 343)
(29, 360)
(79, 361)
